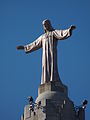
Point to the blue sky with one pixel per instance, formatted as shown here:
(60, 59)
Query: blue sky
(20, 74)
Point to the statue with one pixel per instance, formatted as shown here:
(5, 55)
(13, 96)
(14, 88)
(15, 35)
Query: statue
(48, 42)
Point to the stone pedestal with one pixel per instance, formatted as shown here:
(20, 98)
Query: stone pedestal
(53, 86)
(54, 104)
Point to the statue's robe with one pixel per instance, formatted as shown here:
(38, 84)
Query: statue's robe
(48, 42)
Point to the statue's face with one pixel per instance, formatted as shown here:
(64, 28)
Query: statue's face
(47, 25)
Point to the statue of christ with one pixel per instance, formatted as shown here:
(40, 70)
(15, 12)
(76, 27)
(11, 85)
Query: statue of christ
(48, 42)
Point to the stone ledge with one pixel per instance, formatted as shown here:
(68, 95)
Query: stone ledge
(53, 86)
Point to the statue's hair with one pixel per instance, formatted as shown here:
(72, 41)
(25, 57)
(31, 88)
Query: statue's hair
(50, 28)
(46, 20)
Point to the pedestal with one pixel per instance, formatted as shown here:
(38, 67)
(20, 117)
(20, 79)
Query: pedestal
(54, 104)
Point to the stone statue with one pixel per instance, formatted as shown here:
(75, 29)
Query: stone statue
(48, 42)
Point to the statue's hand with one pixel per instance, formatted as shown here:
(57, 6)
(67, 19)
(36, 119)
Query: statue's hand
(20, 47)
(72, 27)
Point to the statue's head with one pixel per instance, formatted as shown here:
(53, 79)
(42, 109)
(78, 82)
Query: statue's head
(47, 25)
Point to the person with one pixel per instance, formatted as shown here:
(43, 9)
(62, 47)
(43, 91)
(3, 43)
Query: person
(48, 42)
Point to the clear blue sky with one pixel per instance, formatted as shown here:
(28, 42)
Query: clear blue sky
(20, 74)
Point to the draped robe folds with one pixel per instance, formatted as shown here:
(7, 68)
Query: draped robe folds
(48, 42)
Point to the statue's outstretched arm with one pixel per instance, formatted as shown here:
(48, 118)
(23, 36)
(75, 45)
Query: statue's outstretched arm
(37, 44)
(63, 34)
